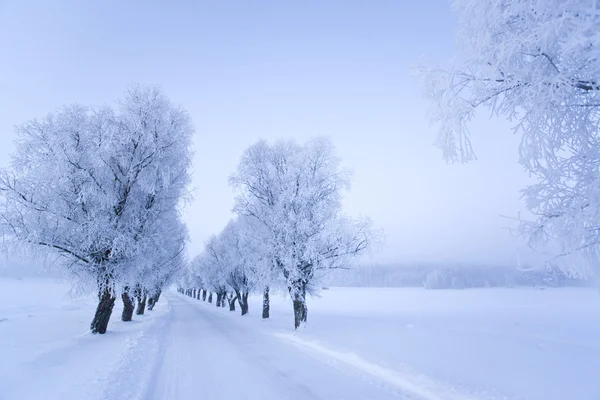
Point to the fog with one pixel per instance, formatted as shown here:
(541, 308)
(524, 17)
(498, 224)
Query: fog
(278, 71)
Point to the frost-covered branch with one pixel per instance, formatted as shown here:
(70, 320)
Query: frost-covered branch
(535, 64)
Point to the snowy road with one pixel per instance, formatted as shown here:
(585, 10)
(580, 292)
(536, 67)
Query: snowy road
(206, 353)
(505, 344)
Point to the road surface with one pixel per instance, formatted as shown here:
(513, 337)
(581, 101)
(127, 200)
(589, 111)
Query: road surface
(205, 353)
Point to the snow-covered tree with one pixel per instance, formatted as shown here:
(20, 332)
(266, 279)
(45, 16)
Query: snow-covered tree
(164, 262)
(233, 264)
(98, 186)
(293, 192)
(259, 265)
(245, 266)
(537, 64)
(209, 267)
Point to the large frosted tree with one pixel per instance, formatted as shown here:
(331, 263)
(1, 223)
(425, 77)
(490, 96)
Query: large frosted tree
(294, 192)
(536, 63)
(100, 187)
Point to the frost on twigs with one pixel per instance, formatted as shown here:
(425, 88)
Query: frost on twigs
(537, 65)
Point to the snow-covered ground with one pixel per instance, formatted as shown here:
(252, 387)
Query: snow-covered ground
(46, 350)
(359, 343)
(486, 343)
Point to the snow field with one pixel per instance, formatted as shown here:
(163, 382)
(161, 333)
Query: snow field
(478, 343)
(358, 343)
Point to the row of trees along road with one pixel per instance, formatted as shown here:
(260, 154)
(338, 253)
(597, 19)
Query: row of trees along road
(101, 188)
(289, 229)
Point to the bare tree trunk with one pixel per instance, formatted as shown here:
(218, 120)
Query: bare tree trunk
(300, 311)
(203, 294)
(298, 293)
(103, 311)
(141, 305)
(128, 305)
(266, 303)
(243, 300)
(223, 298)
(244, 303)
(218, 299)
(152, 300)
(210, 297)
(231, 299)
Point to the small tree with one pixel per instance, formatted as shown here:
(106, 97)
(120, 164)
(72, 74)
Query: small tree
(163, 261)
(248, 266)
(208, 267)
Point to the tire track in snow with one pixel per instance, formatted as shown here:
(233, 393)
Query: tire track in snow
(132, 378)
(250, 355)
(151, 389)
(417, 386)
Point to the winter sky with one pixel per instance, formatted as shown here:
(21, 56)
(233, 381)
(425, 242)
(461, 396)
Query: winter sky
(280, 69)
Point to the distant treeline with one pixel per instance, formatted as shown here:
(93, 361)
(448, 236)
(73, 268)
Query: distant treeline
(455, 276)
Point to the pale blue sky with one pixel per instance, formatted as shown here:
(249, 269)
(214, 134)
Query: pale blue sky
(280, 69)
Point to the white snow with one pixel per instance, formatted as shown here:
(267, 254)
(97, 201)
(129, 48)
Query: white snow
(358, 343)
(416, 385)
(484, 343)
